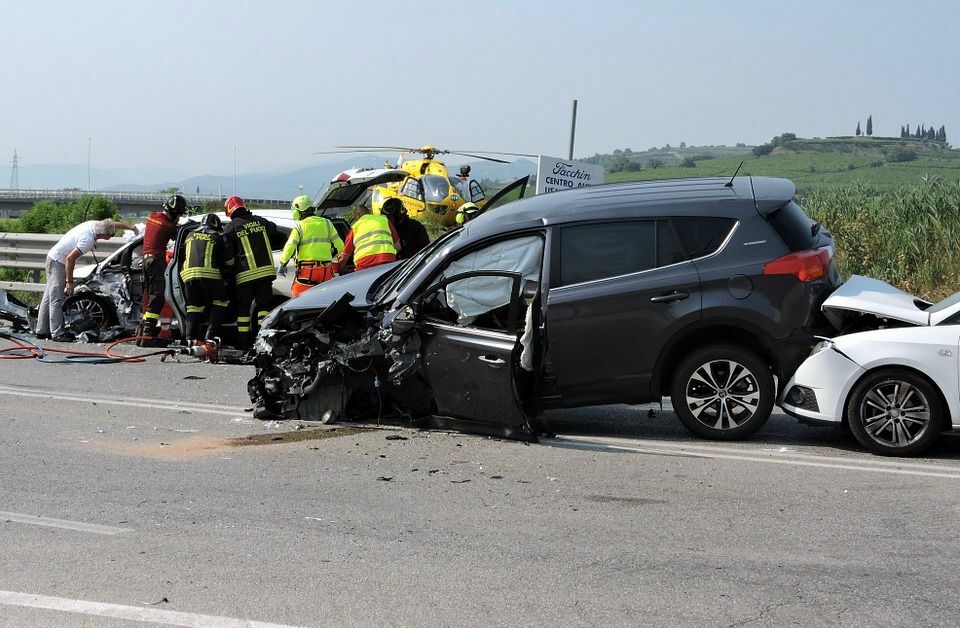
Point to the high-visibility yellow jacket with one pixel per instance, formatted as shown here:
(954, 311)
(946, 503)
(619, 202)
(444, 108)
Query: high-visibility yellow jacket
(312, 239)
(372, 236)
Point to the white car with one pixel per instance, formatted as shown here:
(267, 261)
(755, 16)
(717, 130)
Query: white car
(895, 384)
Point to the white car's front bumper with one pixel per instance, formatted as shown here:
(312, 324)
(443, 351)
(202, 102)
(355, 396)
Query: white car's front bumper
(818, 391)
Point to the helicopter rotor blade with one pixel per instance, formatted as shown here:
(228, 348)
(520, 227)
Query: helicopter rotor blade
(499, 161)
(494, 152)
(405, 149)
(340, 152)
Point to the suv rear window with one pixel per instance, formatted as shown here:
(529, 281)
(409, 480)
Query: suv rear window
(793, 227)
(702, 236)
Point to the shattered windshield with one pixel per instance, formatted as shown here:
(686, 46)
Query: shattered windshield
(392, 287)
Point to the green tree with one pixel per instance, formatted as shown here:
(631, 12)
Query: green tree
(858, 129)
(47, 216)
(870, 125)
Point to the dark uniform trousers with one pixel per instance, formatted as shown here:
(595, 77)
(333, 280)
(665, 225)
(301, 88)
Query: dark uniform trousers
(203, 295)
(153, 286)
(259, 292)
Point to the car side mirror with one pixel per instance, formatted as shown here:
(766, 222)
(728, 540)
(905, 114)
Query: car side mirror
(404, 321)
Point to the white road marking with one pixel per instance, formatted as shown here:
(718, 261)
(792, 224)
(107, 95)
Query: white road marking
(766, 456)
(61, 523)
(133, 613)
(135, 402)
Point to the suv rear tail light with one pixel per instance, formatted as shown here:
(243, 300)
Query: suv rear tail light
(805, 265)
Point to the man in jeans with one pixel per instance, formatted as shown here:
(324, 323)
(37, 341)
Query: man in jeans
(60, 262)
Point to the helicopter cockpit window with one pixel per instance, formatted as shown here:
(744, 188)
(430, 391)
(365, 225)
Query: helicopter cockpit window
(436, 188)
(412, 189)
(476, 192)
(461, 186)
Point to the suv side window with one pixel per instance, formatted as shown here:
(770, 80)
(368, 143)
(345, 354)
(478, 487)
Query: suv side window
(483, 301)
(702, 236)
(668, 249)
(589, 252)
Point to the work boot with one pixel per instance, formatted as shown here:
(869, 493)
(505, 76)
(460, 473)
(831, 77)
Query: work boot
(147, 327)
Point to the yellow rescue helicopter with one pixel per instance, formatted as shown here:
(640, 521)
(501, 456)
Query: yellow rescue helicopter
(425, 185)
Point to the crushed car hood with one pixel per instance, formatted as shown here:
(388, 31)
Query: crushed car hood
(356, 283)
(864, 295)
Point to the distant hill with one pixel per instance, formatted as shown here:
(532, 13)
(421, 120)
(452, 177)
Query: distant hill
(277, 185)
(884, 162)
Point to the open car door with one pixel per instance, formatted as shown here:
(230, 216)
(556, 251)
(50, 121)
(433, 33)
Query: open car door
(510, 193)
(471, 326)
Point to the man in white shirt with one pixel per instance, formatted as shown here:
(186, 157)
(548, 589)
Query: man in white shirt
(60, 262)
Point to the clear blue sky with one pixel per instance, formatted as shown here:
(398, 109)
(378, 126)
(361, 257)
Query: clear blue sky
(176, 85)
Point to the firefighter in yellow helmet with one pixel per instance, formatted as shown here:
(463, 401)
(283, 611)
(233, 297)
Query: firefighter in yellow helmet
(314, 243)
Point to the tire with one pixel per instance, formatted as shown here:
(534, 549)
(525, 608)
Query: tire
(87, 312)
(895, 412)
(723, 392)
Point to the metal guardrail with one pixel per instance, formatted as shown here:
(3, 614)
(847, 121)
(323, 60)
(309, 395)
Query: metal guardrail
(29, 251)
(75, 195)
(155, 198)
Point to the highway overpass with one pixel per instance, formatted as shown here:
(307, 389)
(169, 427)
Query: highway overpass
(13, 203)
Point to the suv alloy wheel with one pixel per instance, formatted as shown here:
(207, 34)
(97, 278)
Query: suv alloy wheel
(723, 392)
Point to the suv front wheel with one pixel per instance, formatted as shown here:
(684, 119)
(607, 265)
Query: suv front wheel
(722, 392)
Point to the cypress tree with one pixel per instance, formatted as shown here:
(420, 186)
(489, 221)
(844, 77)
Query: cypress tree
(907, 134)
(870, 125)
(858, 128)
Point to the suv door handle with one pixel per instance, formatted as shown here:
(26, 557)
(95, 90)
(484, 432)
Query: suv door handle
(494, 362)
(670, 298)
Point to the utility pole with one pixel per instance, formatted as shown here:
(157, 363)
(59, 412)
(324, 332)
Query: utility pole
(14, 172)
(573, 129)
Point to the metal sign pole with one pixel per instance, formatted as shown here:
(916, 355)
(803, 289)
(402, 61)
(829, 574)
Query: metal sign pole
(573, 128)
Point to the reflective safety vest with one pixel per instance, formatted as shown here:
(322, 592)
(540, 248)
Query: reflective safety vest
(372, 236)
(203, 256)
(312, 240)
(248, 238)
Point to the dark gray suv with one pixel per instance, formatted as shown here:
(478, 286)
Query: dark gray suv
(703, 290)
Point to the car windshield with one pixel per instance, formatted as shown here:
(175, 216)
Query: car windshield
(435, 188)
(392, 287)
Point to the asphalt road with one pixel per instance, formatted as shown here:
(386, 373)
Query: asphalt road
(145, 493)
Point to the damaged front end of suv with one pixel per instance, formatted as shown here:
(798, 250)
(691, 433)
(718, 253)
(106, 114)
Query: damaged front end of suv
(343, 363)
(429, 342)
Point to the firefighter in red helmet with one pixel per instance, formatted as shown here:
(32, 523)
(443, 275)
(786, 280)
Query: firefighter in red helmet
(248, 246)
